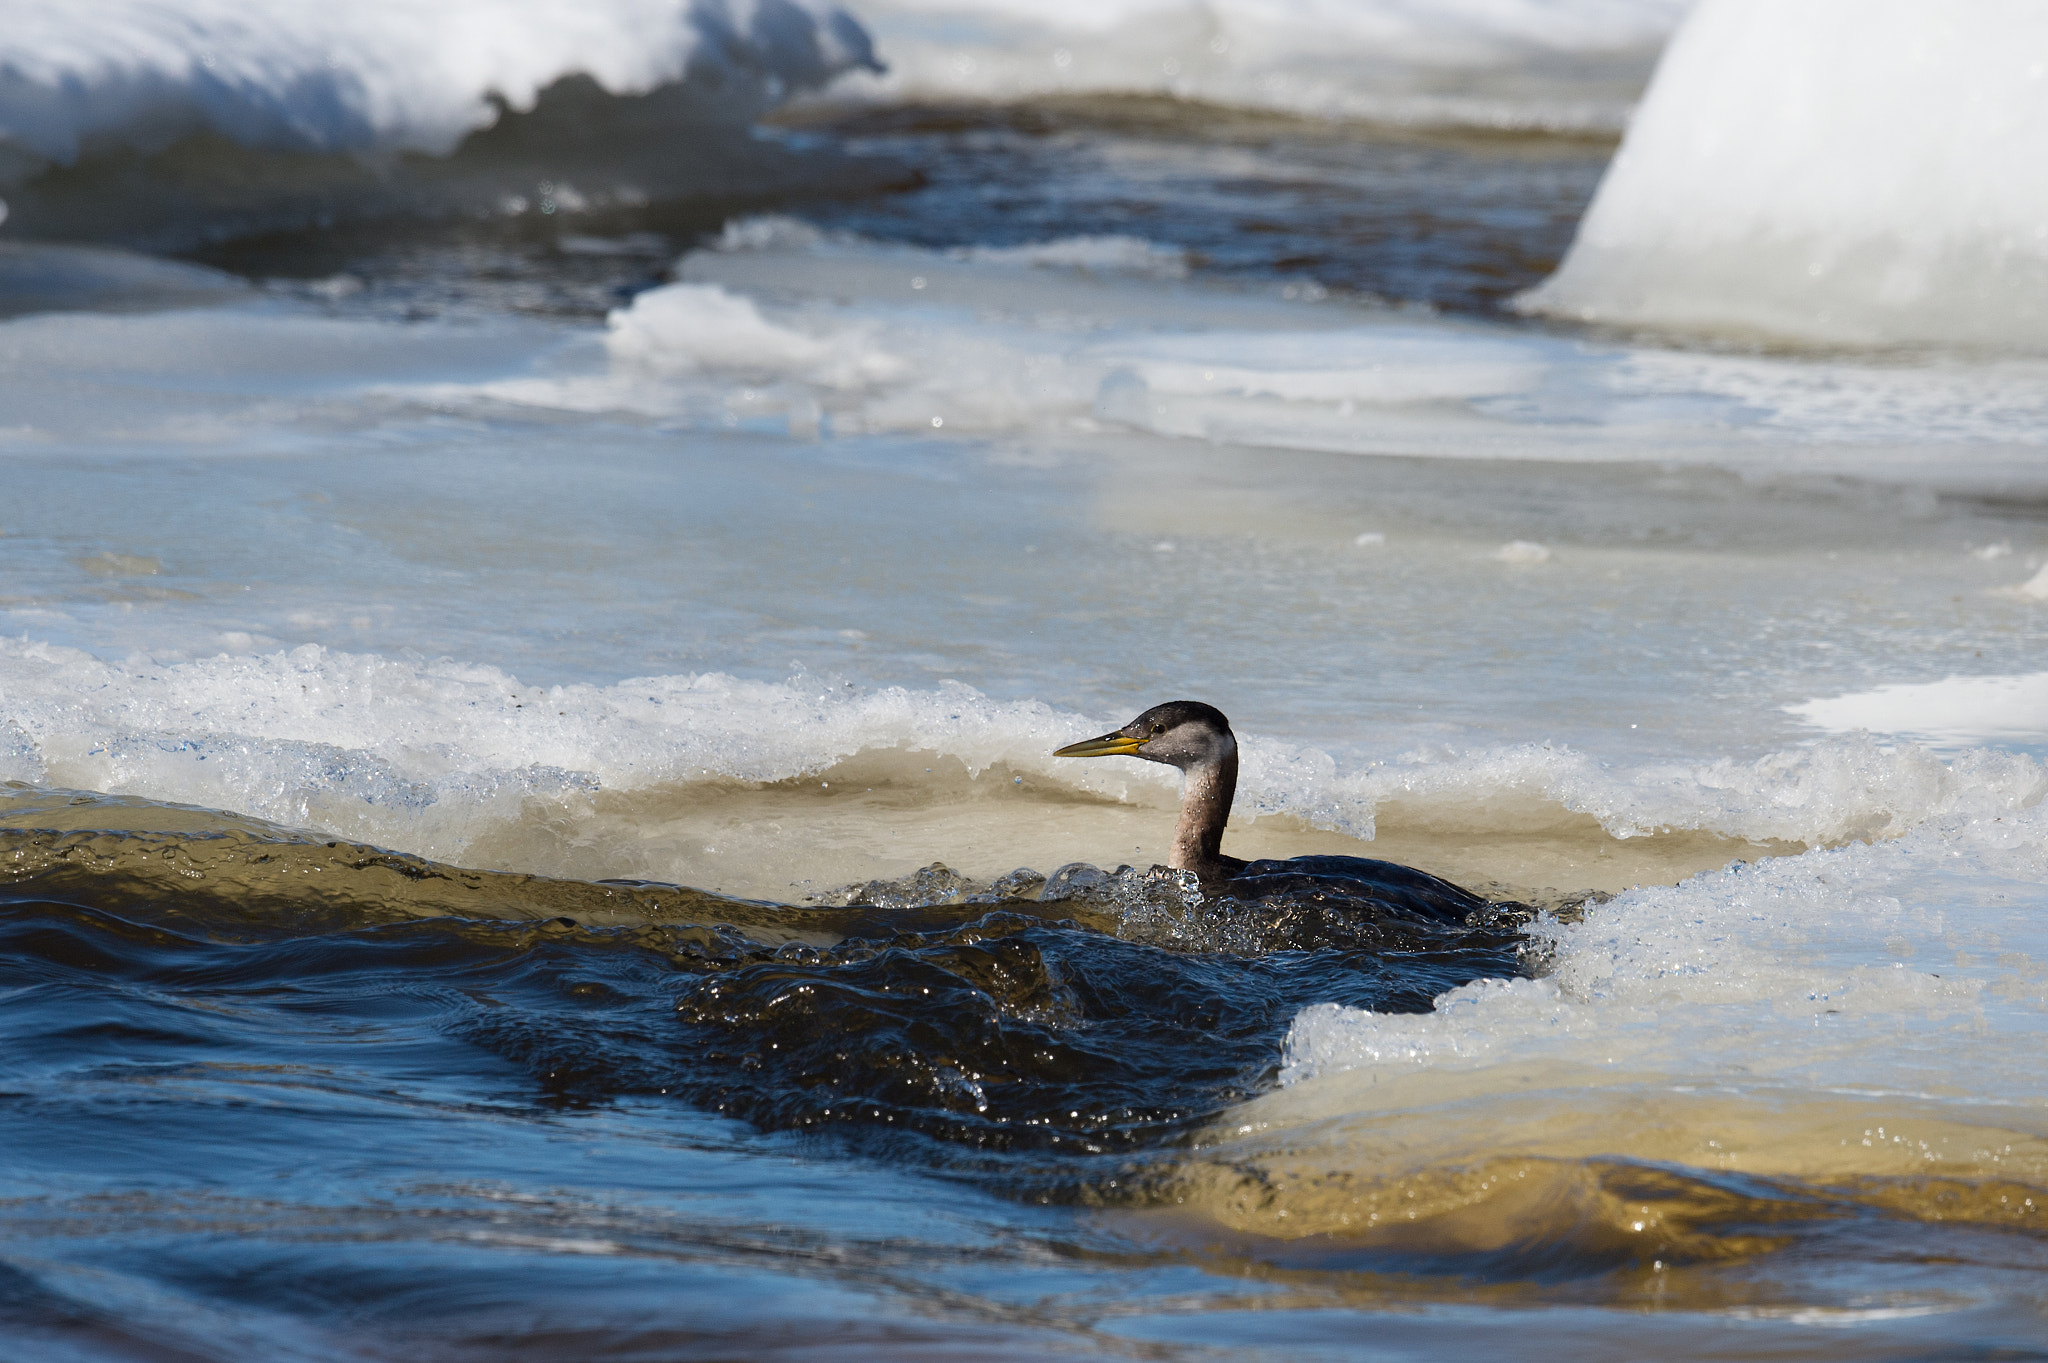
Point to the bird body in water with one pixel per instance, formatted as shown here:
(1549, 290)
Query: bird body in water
(1197, 739)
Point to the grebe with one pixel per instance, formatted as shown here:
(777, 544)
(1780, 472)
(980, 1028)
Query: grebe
(1197, 739)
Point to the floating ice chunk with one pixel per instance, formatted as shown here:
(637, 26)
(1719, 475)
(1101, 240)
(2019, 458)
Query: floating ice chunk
(2035, 587)
(1105, 254)
(687, 325)
(1370, 538)
(1954, 711)
(769, 232)
(701, 326)
(1989, 552)
(1522, 551)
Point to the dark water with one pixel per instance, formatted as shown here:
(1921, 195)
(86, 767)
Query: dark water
(1452, 221)
(253, 1105)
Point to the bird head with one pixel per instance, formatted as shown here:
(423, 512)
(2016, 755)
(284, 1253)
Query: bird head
(1180, 733)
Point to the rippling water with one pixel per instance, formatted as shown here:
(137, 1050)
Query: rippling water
(242, 1059)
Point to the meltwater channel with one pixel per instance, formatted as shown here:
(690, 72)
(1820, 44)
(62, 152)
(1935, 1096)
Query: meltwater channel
(547, 550)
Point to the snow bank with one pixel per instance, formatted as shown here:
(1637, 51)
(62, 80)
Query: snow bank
(1835, 171)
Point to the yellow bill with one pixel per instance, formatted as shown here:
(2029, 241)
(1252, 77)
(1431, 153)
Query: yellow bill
(1109, 745)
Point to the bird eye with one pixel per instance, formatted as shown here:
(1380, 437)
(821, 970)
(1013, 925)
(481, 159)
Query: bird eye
(1158, 729)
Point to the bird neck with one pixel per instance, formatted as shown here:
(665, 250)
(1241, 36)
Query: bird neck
(1204, 809)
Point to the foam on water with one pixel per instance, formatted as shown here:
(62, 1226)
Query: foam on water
(1861, 1020)
(646, 777)
(1769, 955)
(1494, 63)
(1834, 172)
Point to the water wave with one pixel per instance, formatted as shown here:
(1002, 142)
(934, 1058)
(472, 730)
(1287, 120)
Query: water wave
(1058, 1014)
(1437, 1115)
(760, 787)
